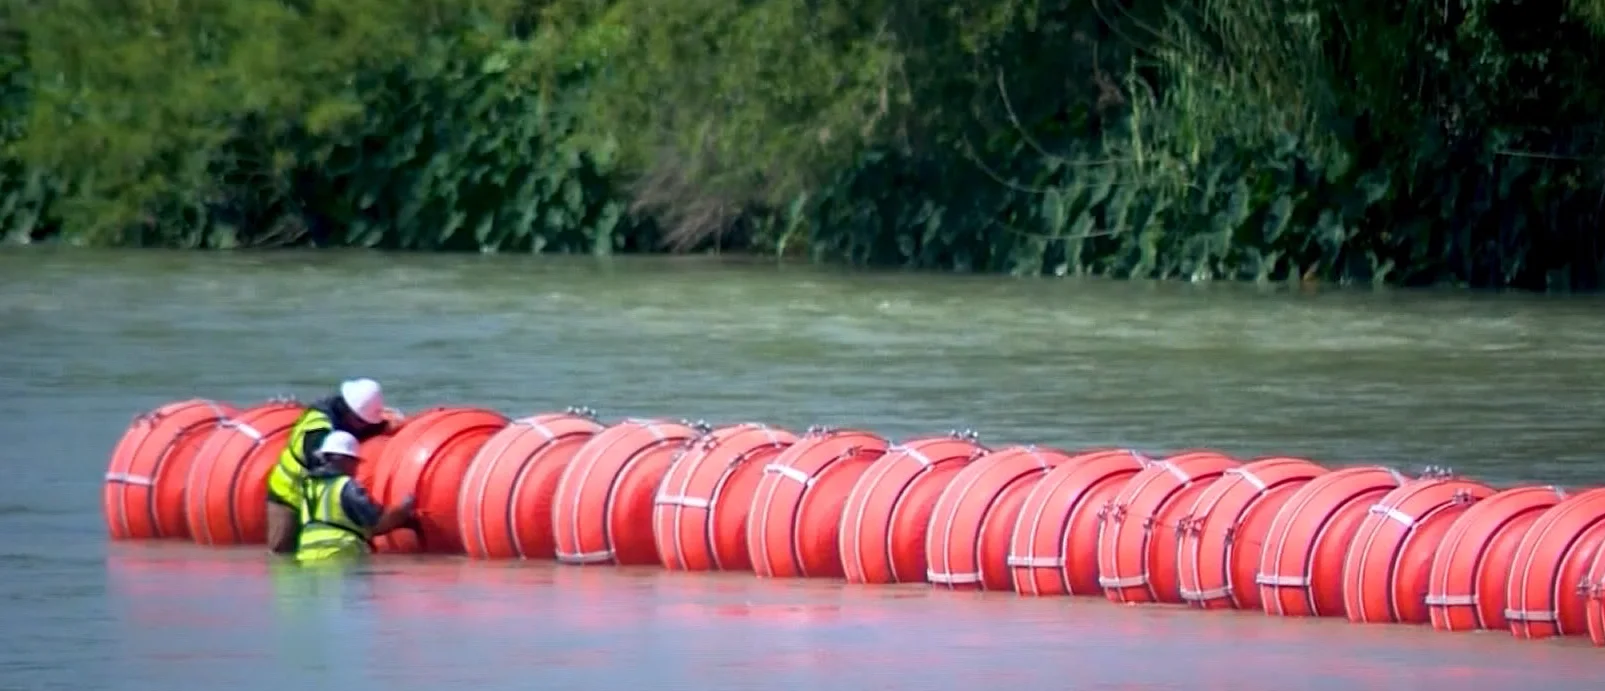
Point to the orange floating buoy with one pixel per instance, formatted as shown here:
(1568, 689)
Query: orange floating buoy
(225, 497)
(1139, 539)
(882, 532)
(1542, 596)
(972, 525)
(699, 517)
(504, 509)
(1301, 563)
(1054, 548)
(1467, 583)
(144, 492)
(1595, 586)
(1385, 573)
(796, 510)
(1226, 527)
(426, 459)
(602, 510)
(373, 458)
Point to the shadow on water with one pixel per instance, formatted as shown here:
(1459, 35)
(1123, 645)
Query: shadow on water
(1506, 388)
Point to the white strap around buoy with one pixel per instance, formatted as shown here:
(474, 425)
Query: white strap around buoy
(1249, 477)
(1401, 517)
(536, 425)
(767, 432)
(1175, 471)
(1532, 615)
(1211, 594)
(924, 460)
(952, 578)
(1127, 582)
(1283, 581)
(588, 557)
(1027, 562)
(682, 500)
(1451, 600)
(125, 478)
(245, 428)
(790, 473)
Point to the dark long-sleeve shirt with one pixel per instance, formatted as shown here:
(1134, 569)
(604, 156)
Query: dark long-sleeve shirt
(332, 408)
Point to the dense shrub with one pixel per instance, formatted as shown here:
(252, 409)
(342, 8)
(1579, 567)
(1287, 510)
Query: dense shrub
(1405, 142)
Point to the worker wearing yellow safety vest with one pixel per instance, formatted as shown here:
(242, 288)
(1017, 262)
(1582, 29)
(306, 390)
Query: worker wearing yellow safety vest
(338, 518)
(358, 409)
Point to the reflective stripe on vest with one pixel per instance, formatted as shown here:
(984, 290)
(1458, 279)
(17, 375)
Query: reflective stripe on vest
(324, 522)
(290, 461)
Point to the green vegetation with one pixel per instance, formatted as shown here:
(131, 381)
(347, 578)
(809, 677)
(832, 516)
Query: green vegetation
(1406, 142)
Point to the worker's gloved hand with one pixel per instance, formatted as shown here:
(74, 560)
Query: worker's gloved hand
(410, 503)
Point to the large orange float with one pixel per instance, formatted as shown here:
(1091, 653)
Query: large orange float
(1466, 586)
(602, 511)
(143, 496)
(1227, 525)
(1139, 538)
(426, 459)
(504, 509)
(225, 499)
(797, 507)
(373, 451)
(1547, 592)
(882, 531)
(373, 462)
(1594, 586)
(1301, 564)
(699, 517)
(1386, 571)
(1364, 540)
(972, 525)
(1054, 549)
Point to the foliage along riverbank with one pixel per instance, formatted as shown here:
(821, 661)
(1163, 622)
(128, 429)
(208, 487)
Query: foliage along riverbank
(1408, 142)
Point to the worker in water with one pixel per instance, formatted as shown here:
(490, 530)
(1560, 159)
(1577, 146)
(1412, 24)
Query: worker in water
(338, 518)
(358, 409)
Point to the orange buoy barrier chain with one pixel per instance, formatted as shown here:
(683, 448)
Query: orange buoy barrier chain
(1223, 532)
(1284, 536)
(428, 459)
(1301, 564)
(1139, 537)
(144, 482)
(1054, 549)
(226, 495)
(699, 515)
(1542, 596)
(602, 510)
(1466, 584)
(887, 512)
(1386, 571)
(967, 541)
(1593, 586)
(795, 515)
(504, 507)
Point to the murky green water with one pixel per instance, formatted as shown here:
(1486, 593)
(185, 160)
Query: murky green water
(1504, 388)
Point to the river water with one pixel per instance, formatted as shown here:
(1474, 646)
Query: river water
(1505, 388)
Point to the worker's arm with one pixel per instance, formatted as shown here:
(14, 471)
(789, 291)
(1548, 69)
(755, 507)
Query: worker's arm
(370, 431)
(310, 441)
(370, 514)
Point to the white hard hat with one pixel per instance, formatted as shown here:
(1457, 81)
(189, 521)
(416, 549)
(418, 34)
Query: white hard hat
(341, 443)
(364, 399)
